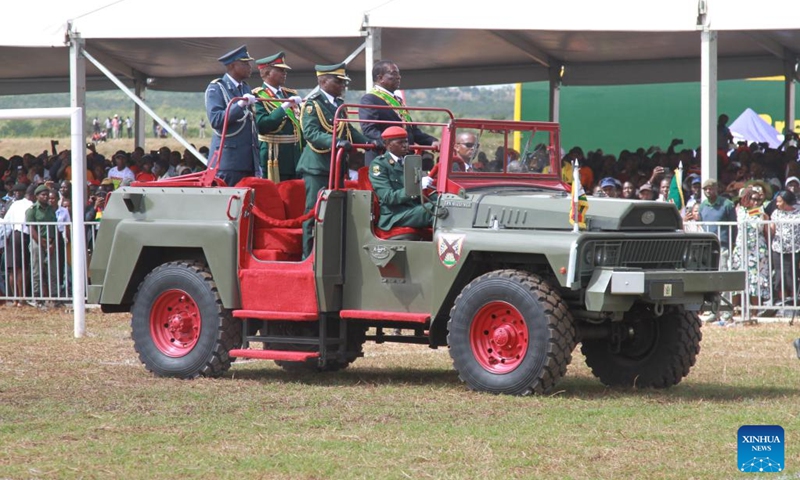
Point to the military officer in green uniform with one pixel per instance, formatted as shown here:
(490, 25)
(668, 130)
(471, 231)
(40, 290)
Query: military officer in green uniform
(316, 118)
(386, 175)
(278, 122)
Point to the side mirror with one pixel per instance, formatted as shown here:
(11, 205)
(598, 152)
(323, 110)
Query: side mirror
(412, 174)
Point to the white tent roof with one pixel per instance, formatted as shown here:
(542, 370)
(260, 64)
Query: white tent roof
(435, 43)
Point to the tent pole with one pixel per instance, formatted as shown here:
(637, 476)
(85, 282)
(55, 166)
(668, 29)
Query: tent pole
(373, 54)
(708, 103)
(139, 119)
(77, 99)
(789, 93)
(144, 106)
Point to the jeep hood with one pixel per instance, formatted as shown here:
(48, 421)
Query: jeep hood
(550, 211)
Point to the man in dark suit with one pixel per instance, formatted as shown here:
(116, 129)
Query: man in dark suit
(278, 121)
(386, 76)
(239, 157)
(316, 119)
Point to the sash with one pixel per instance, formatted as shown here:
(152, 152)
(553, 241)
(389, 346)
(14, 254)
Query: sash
(290, 113)
(391, 100)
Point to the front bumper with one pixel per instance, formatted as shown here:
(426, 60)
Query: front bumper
(616, 290)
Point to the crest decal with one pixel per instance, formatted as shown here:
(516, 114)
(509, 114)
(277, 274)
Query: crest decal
(376, 170)
(450, 247)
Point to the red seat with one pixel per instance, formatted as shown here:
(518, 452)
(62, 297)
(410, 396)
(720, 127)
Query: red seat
(407, 232)
(269, 242)
(293, 195)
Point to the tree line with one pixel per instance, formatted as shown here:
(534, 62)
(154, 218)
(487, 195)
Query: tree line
(470, 102)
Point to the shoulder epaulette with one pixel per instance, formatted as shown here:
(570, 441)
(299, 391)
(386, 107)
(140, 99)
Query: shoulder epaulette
(257, 90)
(290, 90)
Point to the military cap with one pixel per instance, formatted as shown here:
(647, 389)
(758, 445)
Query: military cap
(19, 187)
(337, 70)
(239, 54)
(277, 60)
(394, 132)
(41, 188)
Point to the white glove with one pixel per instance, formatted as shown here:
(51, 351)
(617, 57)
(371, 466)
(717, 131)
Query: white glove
(249, 99)
(426, 182)
(293, 100)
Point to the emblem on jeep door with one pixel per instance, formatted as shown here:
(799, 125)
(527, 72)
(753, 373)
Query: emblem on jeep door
(450, 247)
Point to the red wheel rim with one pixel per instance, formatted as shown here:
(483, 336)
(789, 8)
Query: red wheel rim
(499, 337)
(175, 323)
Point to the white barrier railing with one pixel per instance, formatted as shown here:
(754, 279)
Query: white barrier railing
(771, 284)
(40, 273)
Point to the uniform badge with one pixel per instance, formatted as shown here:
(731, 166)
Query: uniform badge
(449, 248)
(309, 109)
(376, 170)
(391, 161)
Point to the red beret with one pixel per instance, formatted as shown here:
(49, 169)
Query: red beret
(394, 132)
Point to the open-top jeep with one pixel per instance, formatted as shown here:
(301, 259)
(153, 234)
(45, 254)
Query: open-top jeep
(212, 272)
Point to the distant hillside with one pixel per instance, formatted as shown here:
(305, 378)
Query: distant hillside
(476, 102)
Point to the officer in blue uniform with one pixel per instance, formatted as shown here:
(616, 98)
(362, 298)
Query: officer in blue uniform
(239, 157)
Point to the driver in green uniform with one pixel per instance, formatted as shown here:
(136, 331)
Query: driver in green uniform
(386, 175)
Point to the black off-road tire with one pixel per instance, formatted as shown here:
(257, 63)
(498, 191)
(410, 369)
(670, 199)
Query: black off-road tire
(659, 355)
(179, 326)
(509, 332)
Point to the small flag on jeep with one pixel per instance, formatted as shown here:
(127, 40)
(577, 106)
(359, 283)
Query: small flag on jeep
(675, 194)
(579, 205)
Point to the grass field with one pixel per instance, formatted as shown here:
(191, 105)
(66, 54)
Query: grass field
(86, 408)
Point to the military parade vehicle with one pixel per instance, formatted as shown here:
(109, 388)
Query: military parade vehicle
(211, 272)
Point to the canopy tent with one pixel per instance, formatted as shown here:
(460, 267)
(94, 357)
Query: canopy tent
(752, 128)
(174, 45)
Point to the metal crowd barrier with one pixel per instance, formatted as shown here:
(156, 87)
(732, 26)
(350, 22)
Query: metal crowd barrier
(749, 247)
(39, 274)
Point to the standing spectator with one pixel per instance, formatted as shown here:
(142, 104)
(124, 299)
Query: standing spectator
(43, 244)
(646, 192)
(146, 174)
(182, 123)
(609, 187)
(724, 136)
(628, 191)
(115, 127)
(716, 208)
(750, 250)
(785, 244)
(156, 127)
(120, 174)
(240, 157)
(129, 126)
(62, 242)
(202, 128)
(96, 125)
(108, 124)
(18, 263)
(174, 123)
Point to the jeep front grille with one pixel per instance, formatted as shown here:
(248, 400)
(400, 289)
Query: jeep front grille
(649, 254)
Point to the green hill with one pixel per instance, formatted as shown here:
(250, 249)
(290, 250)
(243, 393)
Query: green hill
(475, 102)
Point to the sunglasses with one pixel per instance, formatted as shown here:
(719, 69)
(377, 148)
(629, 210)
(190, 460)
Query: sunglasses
(469, 144)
